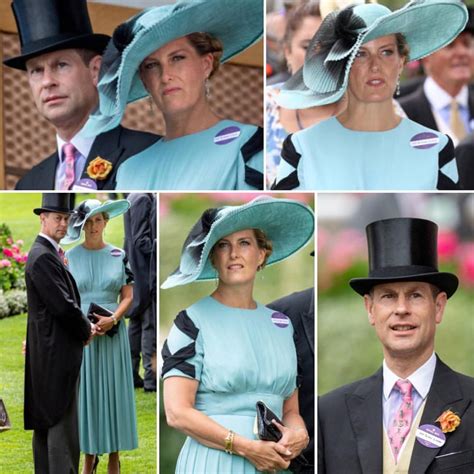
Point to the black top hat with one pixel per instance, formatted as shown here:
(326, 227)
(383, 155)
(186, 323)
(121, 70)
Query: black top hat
(404, 249)
(56, 202)
(49, 25)
(470, 22)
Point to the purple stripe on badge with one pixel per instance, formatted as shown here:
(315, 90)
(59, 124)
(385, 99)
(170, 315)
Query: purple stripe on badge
(280, 320)
(430, 436)
(227, 135)
(424, 140)
(116, 253)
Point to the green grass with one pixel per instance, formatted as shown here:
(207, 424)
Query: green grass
(348, 348)
(16, 210)
(16, 453)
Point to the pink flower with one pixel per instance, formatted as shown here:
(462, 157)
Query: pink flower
(346, 248)
(5, 263)
(15, 248)
(324, 239)
(8, 252)
(9, 241)
(448, 243)
(20, 242)
(466, 264)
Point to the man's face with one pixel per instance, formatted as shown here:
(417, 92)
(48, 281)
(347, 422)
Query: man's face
(405, 315)
(54, 224)
(452, 66)
(63, 87)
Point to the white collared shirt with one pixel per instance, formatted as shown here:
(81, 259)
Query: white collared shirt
(49, 239)
(83, 146)
(421, 380)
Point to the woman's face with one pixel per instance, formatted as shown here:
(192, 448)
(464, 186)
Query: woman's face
(295, 52)
(375, 71)
(94, 227)
(174, 75)
(237, 257)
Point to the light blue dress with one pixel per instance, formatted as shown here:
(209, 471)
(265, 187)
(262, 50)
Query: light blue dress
(328, 157)
(107, 419)
(239, 357)
(228, 155)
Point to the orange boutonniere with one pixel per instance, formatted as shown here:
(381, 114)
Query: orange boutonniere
(448, 421)
(99, 168)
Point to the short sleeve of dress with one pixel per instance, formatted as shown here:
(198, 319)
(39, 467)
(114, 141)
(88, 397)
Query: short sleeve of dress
(287, 172)
(250, 175)
(127, 275)
(448, 176)
(183, 351)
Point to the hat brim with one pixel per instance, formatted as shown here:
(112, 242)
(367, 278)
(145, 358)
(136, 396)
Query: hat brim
(423, 24)
(445, 281)
(237, 24)
(93, 42)
(288, 224)
(58, 210)
(112, 208)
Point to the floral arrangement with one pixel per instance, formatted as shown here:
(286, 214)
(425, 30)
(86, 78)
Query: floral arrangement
(12, 261)
(99, 168)
(12, 302)
(448, 421)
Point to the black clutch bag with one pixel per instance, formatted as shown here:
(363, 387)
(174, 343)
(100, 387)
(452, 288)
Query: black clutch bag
(4, 420)
(101, 311)
(267, 431)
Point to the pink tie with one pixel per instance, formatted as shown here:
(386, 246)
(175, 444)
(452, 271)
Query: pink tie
(402, 419)
(69, 152)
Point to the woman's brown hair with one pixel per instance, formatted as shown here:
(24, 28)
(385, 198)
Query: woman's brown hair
(204, 43)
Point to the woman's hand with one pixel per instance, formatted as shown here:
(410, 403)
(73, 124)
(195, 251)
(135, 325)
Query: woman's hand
(268, 456)
(104, 324)
(295, 440)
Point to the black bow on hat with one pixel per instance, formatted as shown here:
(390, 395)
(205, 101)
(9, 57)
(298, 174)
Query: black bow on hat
(404, 249)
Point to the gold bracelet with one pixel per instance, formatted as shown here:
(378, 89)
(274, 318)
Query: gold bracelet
(229, 442)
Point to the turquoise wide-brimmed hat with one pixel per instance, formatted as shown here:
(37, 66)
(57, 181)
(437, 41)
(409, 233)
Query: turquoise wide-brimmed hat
(89, 208)
(288, 224)
(236, 23)
(427, 26)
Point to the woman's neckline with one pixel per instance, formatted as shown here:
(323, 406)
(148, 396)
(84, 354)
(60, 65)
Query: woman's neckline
(170, 140)
(233, 307)
(390, 130)
(95, 250)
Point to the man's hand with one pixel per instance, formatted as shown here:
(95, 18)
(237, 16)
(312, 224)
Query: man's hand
(95, 330)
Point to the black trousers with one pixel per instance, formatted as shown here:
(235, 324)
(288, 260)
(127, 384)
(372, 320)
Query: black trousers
(142, 338)
(56, 450)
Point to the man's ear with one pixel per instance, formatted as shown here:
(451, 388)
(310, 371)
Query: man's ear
(94, 67)
(368, 308)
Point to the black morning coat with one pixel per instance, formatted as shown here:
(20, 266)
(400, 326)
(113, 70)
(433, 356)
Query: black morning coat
(139, 241)
(56, 333)
(351, 432)
(299, 307)
(115, 146)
